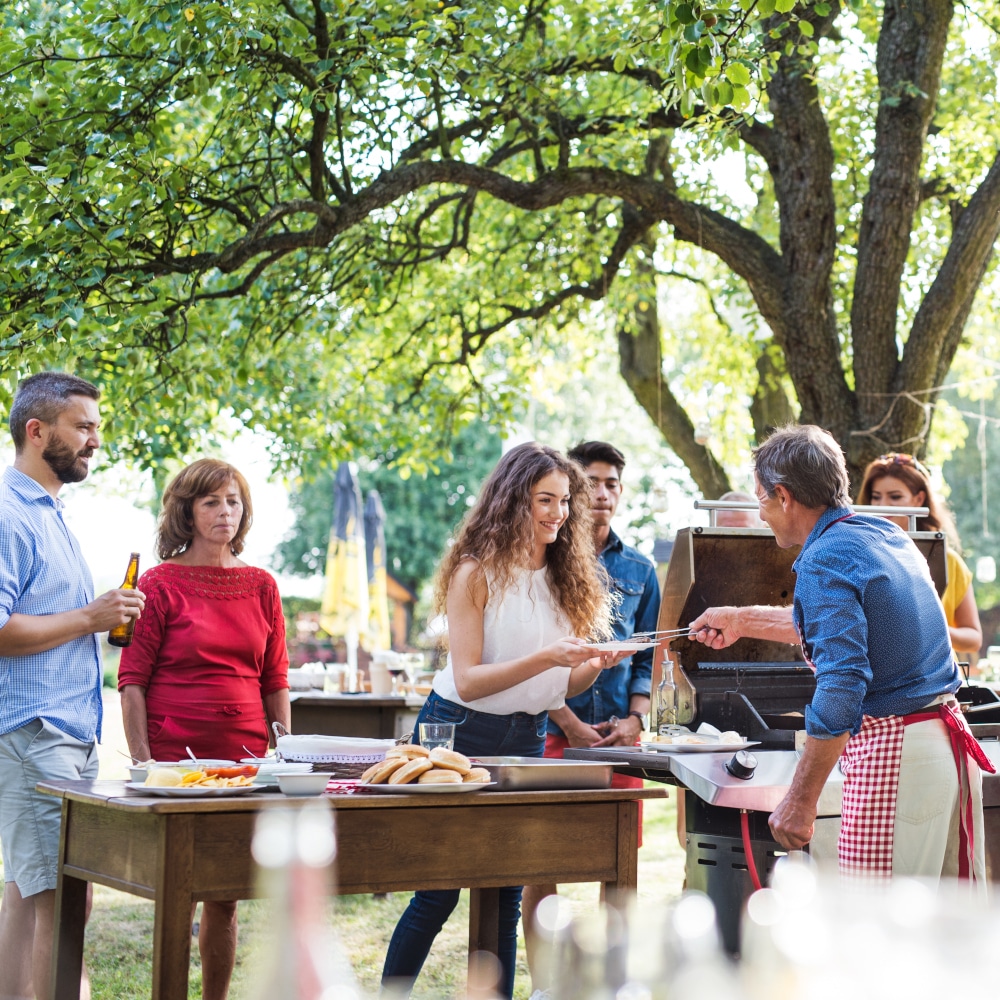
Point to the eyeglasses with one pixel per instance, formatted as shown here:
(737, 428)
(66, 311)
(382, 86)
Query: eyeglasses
(901, 458)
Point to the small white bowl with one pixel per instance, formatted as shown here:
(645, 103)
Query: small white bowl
(138, 774)
(302, 783)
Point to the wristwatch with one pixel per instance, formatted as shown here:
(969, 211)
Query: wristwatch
(639, 715)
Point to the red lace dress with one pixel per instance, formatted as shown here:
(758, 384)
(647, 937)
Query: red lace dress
(210, 645)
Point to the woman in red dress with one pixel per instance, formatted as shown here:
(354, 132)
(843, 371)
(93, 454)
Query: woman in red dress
(208, 665)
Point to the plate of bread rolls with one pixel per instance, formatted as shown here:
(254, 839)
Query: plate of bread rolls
(410, 768)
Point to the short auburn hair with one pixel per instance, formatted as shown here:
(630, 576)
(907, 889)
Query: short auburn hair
(175, 528)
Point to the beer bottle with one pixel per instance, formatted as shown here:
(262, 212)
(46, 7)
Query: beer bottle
(121, 635)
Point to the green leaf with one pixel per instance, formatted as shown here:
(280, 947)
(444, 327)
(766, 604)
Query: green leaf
(737, 74)
(693, 32)
(684, 13)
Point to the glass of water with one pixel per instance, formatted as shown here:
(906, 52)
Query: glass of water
(437, 734)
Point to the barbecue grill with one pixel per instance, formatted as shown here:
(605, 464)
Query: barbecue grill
(759, 689)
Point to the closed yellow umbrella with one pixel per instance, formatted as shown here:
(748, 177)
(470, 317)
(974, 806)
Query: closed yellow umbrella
(379, 635)
(344, 609)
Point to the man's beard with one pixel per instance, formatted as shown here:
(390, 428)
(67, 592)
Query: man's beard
(67, 465)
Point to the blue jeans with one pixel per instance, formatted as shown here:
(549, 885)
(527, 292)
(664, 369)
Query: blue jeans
(477, 734)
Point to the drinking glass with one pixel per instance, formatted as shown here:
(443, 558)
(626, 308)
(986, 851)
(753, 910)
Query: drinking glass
(437, 734)
(397, 668)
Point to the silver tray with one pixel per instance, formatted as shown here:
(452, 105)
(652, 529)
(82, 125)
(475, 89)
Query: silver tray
(513, 774)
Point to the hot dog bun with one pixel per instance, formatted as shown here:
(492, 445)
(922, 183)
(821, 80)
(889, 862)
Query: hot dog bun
(410, 771)
(379, 773)
(451, 759)
(477, 774)
(440, 776)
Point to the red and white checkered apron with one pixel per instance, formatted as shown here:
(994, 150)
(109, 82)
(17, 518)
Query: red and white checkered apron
(870, 763)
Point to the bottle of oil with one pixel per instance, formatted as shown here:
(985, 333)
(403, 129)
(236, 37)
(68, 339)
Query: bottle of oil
(121, 635)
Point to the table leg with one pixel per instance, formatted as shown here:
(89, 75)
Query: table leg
(618, 893)
(172, 917)
(70, 919)
(484, 921)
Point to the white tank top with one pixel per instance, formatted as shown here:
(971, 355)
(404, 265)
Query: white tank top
(521, 621)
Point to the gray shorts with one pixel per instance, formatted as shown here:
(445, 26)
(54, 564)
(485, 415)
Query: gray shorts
(29, 821)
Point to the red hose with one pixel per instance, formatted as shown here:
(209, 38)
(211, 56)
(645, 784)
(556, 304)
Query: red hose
(751, 864)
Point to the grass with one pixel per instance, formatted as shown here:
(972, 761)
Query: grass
(118, 947)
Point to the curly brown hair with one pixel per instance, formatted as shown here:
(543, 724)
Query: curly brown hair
(911, 471)
(175, 527)
(498, 533)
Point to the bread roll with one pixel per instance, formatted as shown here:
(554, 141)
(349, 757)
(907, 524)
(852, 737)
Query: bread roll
(440, 776)
(451, 759)
(164, 777)
(410, 771)
(408, 751)
(379, 773)
(477, 775)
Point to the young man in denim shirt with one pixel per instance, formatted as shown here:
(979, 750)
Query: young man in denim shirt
(612, 711)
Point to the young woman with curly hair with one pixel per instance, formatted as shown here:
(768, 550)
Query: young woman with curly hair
(900, 480)
(525, 598)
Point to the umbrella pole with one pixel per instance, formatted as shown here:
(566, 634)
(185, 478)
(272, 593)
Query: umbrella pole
(351, 639)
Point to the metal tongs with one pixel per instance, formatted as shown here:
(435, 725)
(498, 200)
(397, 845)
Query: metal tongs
(662, 635)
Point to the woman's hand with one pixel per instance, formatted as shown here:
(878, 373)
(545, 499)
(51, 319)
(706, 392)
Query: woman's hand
(592, 662)
(572, 652)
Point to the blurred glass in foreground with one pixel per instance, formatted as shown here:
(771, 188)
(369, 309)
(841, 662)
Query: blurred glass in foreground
(294, 850)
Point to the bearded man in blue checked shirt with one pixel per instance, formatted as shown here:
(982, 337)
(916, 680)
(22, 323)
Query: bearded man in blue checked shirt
(50, 661)
(870, 624)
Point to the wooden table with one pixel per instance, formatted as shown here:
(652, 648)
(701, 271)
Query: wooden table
(175, 851)
(368, 715)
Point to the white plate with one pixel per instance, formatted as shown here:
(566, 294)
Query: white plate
(429, 789)
(624, 646)
(305, 747)
(190, 791)
(711, 747)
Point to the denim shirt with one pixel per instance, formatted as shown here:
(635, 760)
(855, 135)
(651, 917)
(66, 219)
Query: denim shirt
(870, 623)
(637, 593)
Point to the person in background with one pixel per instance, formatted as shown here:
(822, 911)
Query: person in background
(208, 666)
(900, 480)
(738, 518)
(524, 596)
(612, 712)
(912, 803)
(50, 661)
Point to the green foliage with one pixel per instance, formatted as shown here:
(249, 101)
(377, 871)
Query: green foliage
(188, 213)
(356, 225)
(421, 509)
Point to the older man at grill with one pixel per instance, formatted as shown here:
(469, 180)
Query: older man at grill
(869, 622)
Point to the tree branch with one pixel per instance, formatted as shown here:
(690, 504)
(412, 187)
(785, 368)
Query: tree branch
(937, 327)
(910, 50)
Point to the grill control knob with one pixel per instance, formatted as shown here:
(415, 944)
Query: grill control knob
(742, 765)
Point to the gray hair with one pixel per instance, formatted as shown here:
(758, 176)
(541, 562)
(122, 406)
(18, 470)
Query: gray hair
(43, 397)
(808, 462)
